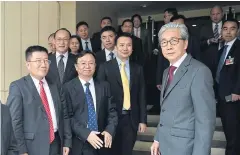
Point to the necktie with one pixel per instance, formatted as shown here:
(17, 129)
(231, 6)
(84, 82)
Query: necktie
(215, 33)
(126, 90)
(171, 74)
(92, 117)
(87, 48)
(221, 63)
(61, 68)
(47, 109)
(111, 55)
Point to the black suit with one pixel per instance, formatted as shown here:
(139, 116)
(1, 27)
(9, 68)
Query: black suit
(137, 55)
(229, 83)
(96, 37)
(128, 124)
(30, 123)
(100, 57)
(8, 141)
(209, 53)
(78, 111)
(94, 45)
(69, 73)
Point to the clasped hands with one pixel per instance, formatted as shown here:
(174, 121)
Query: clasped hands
(96, 142)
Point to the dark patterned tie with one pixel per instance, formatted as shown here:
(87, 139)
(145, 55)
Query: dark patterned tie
(171, 74)
(221, 63)
(61, 68)
(216, 34)
(92, 117)
(111, 55)
(87, 48)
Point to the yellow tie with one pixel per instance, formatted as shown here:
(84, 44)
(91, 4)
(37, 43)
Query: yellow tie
(126, 91)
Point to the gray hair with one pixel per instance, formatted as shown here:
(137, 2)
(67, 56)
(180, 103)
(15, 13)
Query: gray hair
(183, 30)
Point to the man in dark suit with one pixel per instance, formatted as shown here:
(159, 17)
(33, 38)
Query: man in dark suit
(137, 55)
(127, 86)
(8, 141)
(228, 85)
(87, 43)
(62, 68)
(92, 112)
(38, 109)
(210, 39)
(105, 21)
(108, 35)
(51, 44)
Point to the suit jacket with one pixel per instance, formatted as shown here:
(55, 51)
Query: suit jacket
(162, 63)
(109, 71)
(209, 55)
(8, 141)
(94, 44)
(100, 57)
(70, 70)
(96, 37)
(137, 55)
(78, 111)
(30, 123)
(146, 43)
(188, 111)
(229, 81)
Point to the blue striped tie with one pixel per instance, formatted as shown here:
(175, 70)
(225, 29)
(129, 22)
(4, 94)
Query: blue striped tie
(221, 63)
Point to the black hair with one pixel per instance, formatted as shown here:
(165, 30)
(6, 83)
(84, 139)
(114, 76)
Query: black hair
(172, 11)
(176, 17)
(81, 23)
(109, 18)
(232, 20)
(108, 28)
(64, 29)
(127, 20)
(124, 34)
(138, 16)
(35, 48)
(83, 53)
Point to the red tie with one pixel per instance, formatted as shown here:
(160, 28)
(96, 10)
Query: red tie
(170, 74)
(47, 109)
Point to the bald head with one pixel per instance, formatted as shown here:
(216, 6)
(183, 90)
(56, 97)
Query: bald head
(216, 14)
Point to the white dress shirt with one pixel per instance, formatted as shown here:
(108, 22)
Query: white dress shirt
(49, 99)
(137, 32)
(91, 88)
(65, 58)
(179, 62)
(84, 44)
(107, 54)
(229, 46)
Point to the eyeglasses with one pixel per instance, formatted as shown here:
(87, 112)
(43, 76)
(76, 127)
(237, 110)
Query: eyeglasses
(39, 62)
(60, 40)
(173, 41)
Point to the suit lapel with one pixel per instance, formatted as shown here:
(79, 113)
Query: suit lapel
(68, 66)
(164, 84)
(178, 75)
(53, 66)
(98, 97)
(230, 53)
(115, 68)
(132, 73)
(35, 93)
(53, 90)
(103, 55)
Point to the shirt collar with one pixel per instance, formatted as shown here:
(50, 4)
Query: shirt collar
(108, 52)
(231, 42)
(65, 54)
(84, 82)
(179, 62)
(36, 81)
(120, 62)
(219, 24)
(88, 40)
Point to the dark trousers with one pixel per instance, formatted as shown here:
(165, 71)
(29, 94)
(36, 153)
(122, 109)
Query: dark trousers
(230, 117)
(55, 146)
(125, 136)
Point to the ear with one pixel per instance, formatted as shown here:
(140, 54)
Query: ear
(185, 44)
(27, 65)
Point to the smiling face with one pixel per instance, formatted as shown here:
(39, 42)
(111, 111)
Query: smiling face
(124, 48)
(173, 47)
(108, 40)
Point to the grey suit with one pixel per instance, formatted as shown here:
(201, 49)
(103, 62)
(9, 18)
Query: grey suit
(8, 141)
(30, 122)
(188, 115)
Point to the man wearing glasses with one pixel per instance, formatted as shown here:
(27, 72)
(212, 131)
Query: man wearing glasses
(187, 118)
(38, 109)
(62, 67)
